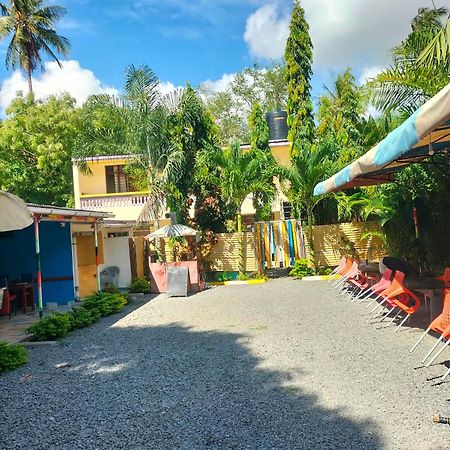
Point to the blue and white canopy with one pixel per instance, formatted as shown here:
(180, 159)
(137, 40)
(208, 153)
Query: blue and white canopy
(425, 132)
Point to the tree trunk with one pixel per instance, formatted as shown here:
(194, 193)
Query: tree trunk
(30, 82)
(309, 233)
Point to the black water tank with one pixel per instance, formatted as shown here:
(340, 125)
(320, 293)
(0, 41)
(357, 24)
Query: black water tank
(277, 121)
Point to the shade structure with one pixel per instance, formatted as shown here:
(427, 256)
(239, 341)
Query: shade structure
(14, 213)
(426, 132)
(175, 230)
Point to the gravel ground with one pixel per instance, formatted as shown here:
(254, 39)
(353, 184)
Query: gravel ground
(283, 365)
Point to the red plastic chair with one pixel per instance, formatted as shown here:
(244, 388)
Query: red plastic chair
(8, 304)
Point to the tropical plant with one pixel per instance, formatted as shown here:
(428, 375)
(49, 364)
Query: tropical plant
(339, 118)
(406, 84)
(31, 25)
(437, 51)
(298, 56)
(139, 285)
(238, 174)
(50, 328)
(302, 268)
(12, 356)
(308, 168)
(135, 125)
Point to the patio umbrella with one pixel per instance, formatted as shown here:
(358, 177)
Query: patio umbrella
(172, 231)
(14, 213)
(419, 137)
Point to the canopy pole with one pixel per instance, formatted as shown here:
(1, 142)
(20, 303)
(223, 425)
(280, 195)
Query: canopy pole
(38, 264)
(97, 261)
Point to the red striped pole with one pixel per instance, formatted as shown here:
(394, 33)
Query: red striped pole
(38, 265)
(97, 259)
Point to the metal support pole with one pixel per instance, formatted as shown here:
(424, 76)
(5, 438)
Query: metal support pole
(38, 265)
(97, 260)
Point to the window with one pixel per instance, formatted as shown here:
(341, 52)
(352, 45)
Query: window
(117, 180)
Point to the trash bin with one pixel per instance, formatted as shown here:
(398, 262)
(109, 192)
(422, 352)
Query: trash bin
(109, 277)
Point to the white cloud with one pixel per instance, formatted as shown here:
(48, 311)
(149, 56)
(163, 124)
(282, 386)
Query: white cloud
(266, 32)
(166, 87)
(367, 73)
(72, 78)
(220, 85)
(357, 33)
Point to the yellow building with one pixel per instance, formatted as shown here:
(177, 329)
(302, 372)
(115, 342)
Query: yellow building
(104, 186)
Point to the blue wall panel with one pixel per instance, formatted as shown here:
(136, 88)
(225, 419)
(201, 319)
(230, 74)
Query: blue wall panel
(17, 255)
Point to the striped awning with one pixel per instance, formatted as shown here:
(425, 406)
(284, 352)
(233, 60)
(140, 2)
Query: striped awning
(426, 132)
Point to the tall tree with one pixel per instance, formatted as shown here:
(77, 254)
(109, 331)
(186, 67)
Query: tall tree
(298, 56)
(339, 118)
(31, 25)
(36, 143)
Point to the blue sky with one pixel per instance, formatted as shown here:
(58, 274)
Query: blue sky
(200, 40)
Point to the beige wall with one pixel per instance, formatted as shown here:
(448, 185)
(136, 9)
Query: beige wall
(327, 242)
(282, 154)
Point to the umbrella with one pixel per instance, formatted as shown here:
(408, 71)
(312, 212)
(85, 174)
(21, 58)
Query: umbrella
(172, 231)
(426, 132)
(14, 213)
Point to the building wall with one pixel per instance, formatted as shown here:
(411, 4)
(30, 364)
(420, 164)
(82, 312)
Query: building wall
(282, 154)
(17, 255)
(116, 253)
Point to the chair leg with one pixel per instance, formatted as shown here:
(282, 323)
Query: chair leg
(388, 314)
(399, 311)
(437, 354)
(373, 300)
(420, 340)
(379, 305)
(445, 375)
(402, 322)
(432, 348)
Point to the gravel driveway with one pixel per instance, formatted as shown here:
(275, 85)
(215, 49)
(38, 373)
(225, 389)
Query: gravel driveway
(283, 365)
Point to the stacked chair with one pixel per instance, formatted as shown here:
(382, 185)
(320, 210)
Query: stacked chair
(392, 299)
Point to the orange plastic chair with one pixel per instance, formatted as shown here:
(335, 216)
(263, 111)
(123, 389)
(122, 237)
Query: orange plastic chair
(394, 285)
(445, 277)
(344, 272)
(336, 270)
(439, 325)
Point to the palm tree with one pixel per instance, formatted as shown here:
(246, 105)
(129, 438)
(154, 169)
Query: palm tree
(135, 125)
(31, 25)
(407, 84)
(238, 174)
(308, 168)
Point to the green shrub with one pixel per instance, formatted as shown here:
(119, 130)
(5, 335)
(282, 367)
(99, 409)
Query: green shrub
(11, 356)
(301, 269)
(324, 271)
(105, 303)
(225, 276)
(139, 285)
(82, 317)
(51, 327)
(243, 277)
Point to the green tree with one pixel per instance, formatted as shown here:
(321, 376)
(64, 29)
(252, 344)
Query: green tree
(406, 84)
(339, 118)
(309, 167)
(31, 25)
(298, 58)
(36, 142)
(231, 108)
(135, 125)
(237, 174)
